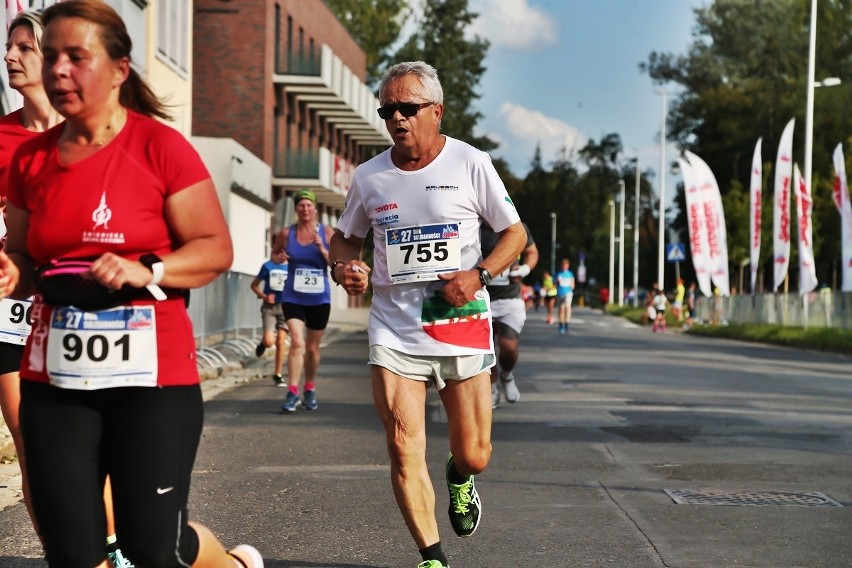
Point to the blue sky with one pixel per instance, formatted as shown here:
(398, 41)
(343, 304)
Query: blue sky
(566, 71)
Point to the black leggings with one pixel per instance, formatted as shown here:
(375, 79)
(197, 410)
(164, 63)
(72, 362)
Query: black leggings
(144, 438)
(10, 357)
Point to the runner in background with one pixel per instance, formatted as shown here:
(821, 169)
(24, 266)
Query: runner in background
(564, 295)
(548, 291)
(306, 298)
(508, 313)
(268, 285)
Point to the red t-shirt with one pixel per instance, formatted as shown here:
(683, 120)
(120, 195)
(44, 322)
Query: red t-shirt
(12, 134)
(112, 201)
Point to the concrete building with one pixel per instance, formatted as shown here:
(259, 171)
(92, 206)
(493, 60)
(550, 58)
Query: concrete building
(284, 79)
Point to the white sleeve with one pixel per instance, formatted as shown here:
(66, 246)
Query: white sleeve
(354, 220)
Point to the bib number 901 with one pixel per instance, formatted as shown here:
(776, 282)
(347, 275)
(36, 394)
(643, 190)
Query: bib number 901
(95, 347)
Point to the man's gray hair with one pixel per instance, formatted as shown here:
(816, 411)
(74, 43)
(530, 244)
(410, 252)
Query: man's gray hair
(432, 91)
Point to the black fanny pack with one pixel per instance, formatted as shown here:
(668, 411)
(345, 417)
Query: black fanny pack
(64, 282)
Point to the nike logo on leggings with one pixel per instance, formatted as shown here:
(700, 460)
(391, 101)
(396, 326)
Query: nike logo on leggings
(161, 491)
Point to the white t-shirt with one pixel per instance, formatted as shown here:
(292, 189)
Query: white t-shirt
(425, 222)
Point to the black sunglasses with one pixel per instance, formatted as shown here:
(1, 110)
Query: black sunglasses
(405, 109)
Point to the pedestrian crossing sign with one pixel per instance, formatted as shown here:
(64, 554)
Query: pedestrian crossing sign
(675, 252)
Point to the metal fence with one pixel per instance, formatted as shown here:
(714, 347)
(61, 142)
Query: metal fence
(822, 308)
(226, 320)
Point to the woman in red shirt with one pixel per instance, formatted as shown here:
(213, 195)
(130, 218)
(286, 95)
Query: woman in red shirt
(23, 64)
(112, 389)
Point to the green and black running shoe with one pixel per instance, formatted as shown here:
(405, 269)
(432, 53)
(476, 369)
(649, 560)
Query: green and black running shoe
(465, 509)
(432, 564)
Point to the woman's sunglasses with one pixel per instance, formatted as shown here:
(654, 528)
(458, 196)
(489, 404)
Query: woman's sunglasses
(405, 109)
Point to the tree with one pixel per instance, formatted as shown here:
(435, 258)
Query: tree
(744, 77)
(375, 25)
(440, 40)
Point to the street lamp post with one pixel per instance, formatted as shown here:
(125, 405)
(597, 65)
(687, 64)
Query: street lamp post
(611, 248)
(553, 244)
(662, 237)
(809, 109)
(636, 240)
(621, 245)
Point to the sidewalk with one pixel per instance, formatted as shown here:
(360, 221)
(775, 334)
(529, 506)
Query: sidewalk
(340, 321)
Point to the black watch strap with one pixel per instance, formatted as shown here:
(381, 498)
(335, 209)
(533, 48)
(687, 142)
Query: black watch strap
(484, 276)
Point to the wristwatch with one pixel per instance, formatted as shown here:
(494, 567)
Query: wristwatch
(334, 264)
(155, 265)
(484, 276)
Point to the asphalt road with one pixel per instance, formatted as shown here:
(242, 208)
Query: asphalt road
(611, 416)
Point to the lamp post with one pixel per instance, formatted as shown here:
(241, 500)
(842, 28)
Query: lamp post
(636, 240)
(662, 237)
(809, 109)
(621, 244)
(611, 248)
(553, 244)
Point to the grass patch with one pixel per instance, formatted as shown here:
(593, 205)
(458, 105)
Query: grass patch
(829, 339)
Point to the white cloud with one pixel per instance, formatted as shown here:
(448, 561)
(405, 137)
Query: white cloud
(513, 24)
(531, 128)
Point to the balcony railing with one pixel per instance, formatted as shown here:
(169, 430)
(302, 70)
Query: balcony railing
(300, 62)
(295, 163)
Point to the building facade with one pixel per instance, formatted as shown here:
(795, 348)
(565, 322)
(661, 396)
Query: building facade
(284, 79)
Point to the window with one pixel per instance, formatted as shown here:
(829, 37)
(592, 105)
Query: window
(173, 33)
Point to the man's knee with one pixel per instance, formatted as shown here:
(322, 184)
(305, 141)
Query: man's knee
(473, 460)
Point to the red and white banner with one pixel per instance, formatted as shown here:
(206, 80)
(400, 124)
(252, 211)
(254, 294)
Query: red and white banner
(781, 218)
(714, 222)
(755, 209)
(698, 246)
(804, 209)
(841, 200)
(12, 9)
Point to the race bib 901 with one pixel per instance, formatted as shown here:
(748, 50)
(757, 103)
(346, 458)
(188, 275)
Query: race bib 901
(417, 254)
(103, 349)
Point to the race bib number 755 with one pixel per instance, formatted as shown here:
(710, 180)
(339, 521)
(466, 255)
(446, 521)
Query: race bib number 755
(417, 254)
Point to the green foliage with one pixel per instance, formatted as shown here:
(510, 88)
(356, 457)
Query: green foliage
(744, 77)
(820, 338)
(375, 25)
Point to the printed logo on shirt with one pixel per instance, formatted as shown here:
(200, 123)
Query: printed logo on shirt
(387, 220)
(102, 214)
(466, 326)
(100, 232)
(442, 188)
(386, 207)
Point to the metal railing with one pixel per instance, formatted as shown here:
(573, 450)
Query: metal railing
(226, 320)
(822, 308)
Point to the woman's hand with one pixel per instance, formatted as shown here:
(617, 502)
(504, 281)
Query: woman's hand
(9, 275)
(114, 271)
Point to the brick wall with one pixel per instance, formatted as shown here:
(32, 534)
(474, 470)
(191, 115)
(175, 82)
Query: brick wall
(233, 95)
(234, 62)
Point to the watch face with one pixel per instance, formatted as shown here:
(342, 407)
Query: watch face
(484, 276)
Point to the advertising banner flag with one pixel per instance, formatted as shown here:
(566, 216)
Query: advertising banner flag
(781, 217)
(841, 200)
(804, 209)
(714, 222)
(697, 232)
(755, 207)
